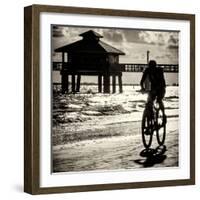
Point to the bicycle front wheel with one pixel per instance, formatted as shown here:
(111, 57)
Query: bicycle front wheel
(147, 130)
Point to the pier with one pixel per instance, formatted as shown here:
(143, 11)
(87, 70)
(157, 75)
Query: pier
(131, 67)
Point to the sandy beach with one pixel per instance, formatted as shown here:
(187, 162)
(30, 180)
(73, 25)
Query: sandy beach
(103, 132)
(117, 152)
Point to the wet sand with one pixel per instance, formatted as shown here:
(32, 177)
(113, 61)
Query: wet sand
(121, 151)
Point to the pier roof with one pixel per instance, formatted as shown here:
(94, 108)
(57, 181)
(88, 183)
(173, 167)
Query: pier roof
(90, 44)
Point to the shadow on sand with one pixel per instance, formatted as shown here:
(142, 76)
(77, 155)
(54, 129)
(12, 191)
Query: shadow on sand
(152, 156)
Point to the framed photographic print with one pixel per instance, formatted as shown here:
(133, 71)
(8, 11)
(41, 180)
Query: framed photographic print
(109, 99)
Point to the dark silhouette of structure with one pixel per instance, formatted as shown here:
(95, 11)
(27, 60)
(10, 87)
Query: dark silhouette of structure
(90, 56)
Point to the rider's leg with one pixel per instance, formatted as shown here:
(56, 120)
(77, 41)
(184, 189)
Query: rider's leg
(160, 97)
(150, 100)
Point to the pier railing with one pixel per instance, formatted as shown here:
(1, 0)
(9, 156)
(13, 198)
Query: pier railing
(131, 67)
(137, 67)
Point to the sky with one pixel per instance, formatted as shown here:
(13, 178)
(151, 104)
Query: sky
(163, 45)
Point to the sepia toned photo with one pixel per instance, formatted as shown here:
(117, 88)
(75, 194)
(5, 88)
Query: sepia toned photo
(109, 99)
(114, 98)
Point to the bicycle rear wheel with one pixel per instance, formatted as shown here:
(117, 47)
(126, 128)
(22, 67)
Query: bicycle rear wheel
(161, 126)
(147, 129)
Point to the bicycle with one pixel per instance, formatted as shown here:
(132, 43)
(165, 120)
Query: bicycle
(153, 120)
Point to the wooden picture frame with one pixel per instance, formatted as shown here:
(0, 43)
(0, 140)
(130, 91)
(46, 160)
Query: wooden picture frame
(32, 98)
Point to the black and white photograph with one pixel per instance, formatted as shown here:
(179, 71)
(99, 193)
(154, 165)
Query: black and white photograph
(114, 98)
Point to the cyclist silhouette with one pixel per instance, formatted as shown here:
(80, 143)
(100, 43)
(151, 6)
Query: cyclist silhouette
(157, 84)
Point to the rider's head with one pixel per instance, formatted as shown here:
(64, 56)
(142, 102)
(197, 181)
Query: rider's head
(152, 63)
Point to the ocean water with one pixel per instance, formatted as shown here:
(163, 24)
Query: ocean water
(127, 78)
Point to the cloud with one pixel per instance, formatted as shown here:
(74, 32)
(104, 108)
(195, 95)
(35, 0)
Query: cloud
(172, 47)
(113, 35)
(152, 37)
(132, 36)
(168, 39)
(160, 39)
(57, 31)
(58, 34)
(173, 42)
